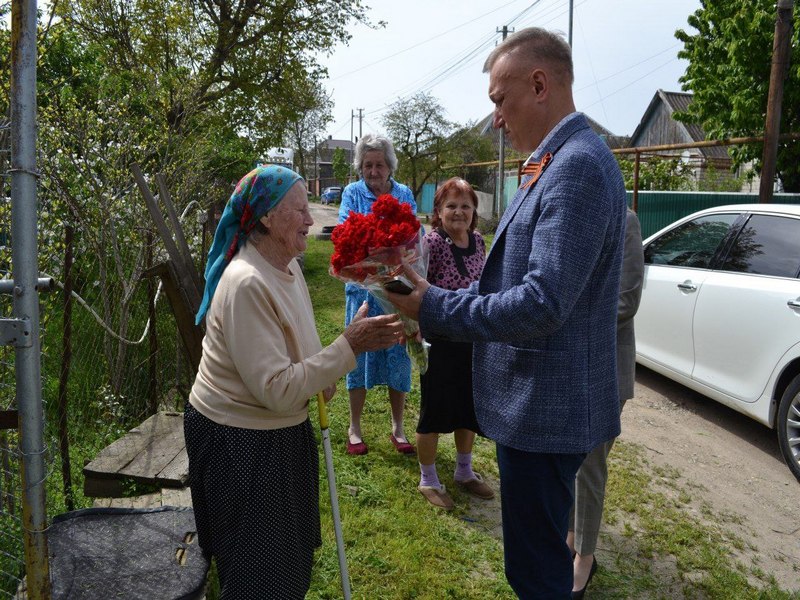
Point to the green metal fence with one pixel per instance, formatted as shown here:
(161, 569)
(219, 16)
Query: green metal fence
(658, 209)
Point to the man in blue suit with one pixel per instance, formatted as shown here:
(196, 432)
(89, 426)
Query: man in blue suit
(543, 315)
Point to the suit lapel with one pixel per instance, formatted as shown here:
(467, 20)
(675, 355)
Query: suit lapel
(550, 144)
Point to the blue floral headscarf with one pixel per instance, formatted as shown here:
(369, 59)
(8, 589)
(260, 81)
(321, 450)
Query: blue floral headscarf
(255, 195)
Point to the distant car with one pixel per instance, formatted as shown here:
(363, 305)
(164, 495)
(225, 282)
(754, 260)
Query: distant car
(720, 312)
(331, 195)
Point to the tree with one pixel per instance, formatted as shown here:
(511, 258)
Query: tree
(728, 73)
(193, 90)
(341, 168)
(419, 133)
(656, 173)
(466, 145)
(313, 116)
(245, 59)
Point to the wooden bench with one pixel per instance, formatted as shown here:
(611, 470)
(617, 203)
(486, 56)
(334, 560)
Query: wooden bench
(154, 453)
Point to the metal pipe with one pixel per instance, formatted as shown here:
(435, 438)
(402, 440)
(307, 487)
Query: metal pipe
(704, 144)
(324, 427)
(43, 284)
(24, 256)
(757, 139)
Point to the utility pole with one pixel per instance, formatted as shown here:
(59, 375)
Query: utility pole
(350, 167)
(780, 63)
(501, 180)
(360, 117)
(316, 168)
(569, 39)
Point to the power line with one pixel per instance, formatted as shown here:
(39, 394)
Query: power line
(632, 82)
(423, 42)
(450, 67)
(633, 66)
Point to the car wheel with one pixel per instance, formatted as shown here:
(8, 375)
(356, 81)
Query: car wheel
(788, 426)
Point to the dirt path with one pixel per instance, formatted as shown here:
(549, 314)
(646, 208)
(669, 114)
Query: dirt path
(323, 214)
(727, 462)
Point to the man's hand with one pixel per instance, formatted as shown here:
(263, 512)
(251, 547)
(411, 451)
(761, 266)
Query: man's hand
(409, 304)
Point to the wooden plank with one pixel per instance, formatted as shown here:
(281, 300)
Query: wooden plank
(177, 471)
(176, 497)
(98, 487)
(154, 453)
(180, 238)
(191, 334)
(184, 279)
(166, 497)
(163, 446)
(120, 453)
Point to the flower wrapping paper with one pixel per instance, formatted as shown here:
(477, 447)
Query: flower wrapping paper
(369, 251)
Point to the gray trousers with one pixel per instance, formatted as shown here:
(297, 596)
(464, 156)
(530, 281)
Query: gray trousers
(590, 494)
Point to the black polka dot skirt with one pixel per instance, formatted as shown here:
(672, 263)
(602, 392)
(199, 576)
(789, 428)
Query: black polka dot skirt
(256, 504)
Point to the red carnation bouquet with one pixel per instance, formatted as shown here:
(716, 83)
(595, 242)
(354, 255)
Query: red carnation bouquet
(369, 250)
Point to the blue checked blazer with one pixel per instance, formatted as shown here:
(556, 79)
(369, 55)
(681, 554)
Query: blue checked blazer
(543, 315)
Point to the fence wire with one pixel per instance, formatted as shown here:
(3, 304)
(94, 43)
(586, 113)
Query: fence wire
(105, 366)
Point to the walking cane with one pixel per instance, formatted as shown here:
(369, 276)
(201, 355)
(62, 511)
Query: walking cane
(337, 521)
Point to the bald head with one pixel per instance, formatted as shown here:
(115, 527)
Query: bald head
(533, 47)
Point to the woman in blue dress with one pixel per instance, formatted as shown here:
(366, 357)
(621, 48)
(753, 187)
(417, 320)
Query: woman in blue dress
(375, 161)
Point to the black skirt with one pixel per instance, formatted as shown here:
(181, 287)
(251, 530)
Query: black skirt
(256, 502)
(447, 402)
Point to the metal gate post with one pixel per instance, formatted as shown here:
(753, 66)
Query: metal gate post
(26, 299)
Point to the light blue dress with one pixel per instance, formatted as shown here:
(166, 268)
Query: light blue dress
(390, 367)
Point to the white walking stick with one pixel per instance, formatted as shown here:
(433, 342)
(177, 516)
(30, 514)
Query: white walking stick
(337, 522)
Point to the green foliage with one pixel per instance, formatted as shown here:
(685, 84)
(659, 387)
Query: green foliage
(729, 70)
(466, 145)
(419, 132)
(713, 180)
(655, 173)
(341, 168)
(313, 116)
(425, 141)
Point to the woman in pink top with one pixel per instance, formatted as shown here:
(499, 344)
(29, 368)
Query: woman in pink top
(457, 253)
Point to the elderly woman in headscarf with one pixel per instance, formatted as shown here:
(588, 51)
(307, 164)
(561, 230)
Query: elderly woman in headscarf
(375, 161)
(253, 460)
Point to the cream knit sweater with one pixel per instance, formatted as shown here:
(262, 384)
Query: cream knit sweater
(262, 357)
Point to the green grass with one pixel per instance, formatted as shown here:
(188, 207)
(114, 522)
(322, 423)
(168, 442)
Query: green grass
(397, 546)
(659, 541)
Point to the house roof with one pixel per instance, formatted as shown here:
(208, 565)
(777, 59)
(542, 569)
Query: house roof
(484, 128)
(676, 101)
(333, 144)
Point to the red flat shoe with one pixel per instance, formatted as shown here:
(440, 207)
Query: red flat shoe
(402, 447)
(358, 449)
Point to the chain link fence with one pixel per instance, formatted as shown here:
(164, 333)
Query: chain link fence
(110, 351)
(11, 552)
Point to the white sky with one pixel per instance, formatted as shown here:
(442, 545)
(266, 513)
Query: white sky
(623, 50)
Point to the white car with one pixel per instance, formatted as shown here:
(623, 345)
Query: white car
(720, 312)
